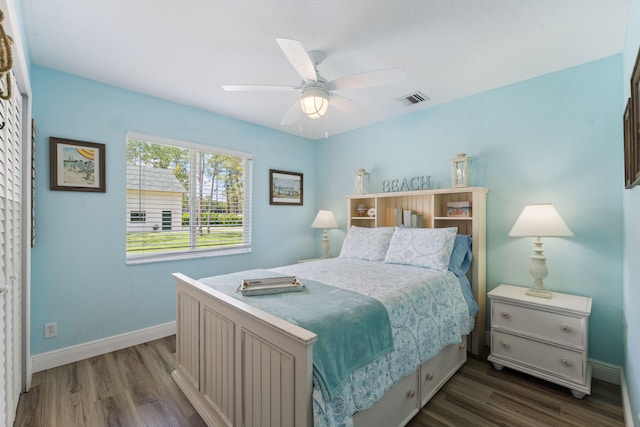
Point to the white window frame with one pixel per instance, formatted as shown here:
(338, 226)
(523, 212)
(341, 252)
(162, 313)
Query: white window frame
(247, 204)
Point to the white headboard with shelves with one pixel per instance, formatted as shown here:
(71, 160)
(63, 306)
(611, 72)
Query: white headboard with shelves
(432, 205)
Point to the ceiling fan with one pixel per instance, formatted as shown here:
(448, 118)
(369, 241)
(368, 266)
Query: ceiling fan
(316, 92)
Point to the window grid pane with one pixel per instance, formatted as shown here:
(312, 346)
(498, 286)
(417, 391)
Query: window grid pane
(184, 200)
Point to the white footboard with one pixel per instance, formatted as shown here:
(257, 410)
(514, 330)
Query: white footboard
(239, 365)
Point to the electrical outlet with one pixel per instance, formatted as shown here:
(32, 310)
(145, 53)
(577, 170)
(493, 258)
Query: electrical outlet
(50, 329)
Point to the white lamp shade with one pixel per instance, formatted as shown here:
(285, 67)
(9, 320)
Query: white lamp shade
(541, 220)
(314, 102)
(325, 219)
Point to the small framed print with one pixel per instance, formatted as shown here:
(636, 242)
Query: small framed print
(76, 165)
(285, 188)
(629, 155)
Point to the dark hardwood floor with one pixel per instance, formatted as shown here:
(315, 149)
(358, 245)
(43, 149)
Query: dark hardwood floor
(479, 395)
(133, 387)
(129, 387)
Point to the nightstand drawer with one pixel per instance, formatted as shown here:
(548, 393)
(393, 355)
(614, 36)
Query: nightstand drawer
(554, 327)
(539, 356)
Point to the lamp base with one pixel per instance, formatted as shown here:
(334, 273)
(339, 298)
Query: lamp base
(325, 244)
(540, 293)
(538, 270)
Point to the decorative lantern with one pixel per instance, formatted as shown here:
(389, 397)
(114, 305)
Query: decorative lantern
(361, 181)
(460, 170)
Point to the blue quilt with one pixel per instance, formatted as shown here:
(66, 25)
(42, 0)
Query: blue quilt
(353, 329)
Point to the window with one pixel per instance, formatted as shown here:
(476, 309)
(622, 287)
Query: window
(185, 200)
(166, 220)
(138, 216)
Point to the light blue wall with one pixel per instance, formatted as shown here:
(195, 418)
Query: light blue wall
(556, 138)
(79, 276)
(631, 290)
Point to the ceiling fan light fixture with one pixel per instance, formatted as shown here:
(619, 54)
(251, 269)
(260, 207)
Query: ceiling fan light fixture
(314, 102)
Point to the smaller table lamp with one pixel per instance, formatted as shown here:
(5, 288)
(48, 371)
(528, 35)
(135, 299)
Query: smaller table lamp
(538, 221)
(325, 219)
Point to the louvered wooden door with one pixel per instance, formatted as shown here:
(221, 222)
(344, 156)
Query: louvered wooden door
(10, 255)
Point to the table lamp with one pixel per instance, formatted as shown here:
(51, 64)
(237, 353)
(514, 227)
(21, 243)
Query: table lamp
(325, 219)
(540, 220)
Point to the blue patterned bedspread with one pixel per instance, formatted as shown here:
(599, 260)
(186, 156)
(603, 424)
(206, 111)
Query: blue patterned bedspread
(427, 312)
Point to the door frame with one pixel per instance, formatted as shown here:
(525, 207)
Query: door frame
(12, 27)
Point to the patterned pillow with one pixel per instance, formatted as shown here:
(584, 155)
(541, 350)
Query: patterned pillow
(369, 244)
(422, 247)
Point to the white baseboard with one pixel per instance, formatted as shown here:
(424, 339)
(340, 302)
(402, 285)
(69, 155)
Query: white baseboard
(62, 356)
(626, 404)
(606, 372)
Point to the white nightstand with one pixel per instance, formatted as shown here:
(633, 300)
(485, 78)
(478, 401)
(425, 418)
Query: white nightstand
(546, 338)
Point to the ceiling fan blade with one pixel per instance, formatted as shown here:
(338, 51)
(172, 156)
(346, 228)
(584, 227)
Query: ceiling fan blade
(389, 76)
(239, 88)
(292, 115)
(299, 58)
(348, 106)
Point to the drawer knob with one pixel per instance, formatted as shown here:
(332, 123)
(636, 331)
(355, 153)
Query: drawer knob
(429, 376)
(565, 361)
(462, 346)
(565, 328)
(505, 345)
(505, 315)
(411, 393)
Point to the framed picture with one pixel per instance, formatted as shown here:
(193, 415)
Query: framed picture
(76, 165)
(285, 188)
(634, 124)
(628, 146)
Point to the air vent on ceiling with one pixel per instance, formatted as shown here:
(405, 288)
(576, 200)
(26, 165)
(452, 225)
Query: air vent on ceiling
(415, 98)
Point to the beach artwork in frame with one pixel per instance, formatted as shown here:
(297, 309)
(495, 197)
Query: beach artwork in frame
(285, 188)
(77, 165)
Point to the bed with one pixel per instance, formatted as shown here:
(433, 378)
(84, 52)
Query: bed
(241, 361)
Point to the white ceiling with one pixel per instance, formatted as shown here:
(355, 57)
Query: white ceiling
(183, 51)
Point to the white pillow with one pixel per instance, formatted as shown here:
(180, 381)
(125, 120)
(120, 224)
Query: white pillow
(422, 247)
(369, 244)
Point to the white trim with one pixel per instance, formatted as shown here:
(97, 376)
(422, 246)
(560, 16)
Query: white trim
(173, 256)
(62, 356)
(12, 27)
(186, 144)
(626, 404)
(606, 371)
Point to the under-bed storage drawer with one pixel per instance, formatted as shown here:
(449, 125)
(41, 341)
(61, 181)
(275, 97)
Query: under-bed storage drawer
(436, 371)
(395, 408)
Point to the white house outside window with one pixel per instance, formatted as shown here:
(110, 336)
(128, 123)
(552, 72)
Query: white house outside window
(185, 200)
